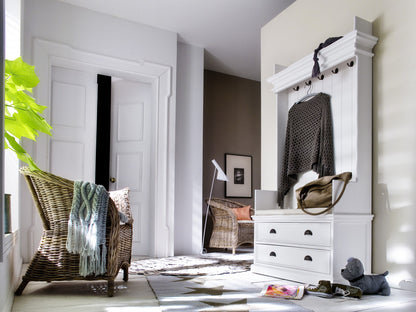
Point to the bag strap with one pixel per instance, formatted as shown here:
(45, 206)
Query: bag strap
(346, 176)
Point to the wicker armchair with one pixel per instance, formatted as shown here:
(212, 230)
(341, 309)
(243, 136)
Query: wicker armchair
(52, 262)
(228, 232)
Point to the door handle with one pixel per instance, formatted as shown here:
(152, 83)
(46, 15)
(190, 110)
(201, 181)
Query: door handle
(113, 180)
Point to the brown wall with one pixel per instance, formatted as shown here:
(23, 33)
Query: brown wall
(231, 125)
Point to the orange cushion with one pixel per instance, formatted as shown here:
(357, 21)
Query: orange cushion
(242, 213)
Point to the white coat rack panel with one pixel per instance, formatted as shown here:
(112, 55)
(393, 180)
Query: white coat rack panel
(346, 76)
(288, 243)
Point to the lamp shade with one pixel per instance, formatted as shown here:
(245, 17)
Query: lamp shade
(220, 174)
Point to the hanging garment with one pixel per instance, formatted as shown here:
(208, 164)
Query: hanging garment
(309, 142)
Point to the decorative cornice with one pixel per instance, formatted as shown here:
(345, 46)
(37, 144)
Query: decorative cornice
(352, 44)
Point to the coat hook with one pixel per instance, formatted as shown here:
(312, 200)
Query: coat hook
(335, 71)
(296, 88)
(350, 64)
(308, 83)
(321, 77)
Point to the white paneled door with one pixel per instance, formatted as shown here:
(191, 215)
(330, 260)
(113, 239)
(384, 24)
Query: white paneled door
(130, 164)
(72, 146)
(73, 119)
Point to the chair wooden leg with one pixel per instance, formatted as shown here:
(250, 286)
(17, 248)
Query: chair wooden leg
(126, 273)
(110, 290)
(22, 286)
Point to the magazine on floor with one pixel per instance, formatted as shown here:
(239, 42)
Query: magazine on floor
(283, 291)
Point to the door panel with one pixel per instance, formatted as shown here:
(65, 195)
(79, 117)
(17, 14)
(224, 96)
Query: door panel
(130, 152)
(130, 122)
(73, 119)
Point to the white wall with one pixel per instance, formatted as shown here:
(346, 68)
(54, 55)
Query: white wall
(295, 33)
(9, 270)
(97, 33)
(189, 141)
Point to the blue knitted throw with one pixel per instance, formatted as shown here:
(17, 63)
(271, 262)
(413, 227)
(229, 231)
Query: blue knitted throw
(87, 226)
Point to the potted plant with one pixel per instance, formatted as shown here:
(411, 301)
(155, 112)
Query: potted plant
(22, 115)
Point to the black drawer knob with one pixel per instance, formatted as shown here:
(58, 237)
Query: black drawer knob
(272, 254)
(308, 232)
(307, 258)
(272, 231)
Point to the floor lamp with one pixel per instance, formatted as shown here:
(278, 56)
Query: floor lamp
(222, 177)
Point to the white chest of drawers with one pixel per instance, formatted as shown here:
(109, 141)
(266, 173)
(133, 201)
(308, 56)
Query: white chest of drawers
(307, 248)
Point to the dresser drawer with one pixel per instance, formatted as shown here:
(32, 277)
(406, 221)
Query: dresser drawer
(317, 234)
(315, 260)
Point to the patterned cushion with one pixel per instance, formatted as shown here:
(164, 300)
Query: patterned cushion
(121, 200)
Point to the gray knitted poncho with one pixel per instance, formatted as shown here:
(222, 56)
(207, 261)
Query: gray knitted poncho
(309, 142)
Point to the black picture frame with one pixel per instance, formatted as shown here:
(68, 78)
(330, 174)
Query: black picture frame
(238, 169)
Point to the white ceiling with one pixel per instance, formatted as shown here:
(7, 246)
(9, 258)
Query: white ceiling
(228, 30)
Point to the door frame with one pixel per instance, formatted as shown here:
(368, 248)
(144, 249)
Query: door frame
(48, 54)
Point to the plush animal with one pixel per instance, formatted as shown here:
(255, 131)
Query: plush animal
(369, 284)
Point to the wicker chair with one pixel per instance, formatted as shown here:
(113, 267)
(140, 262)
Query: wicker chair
(228, 232)
(52, 262)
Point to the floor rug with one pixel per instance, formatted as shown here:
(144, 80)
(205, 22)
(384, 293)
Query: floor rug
(189, 266)
(214, 293)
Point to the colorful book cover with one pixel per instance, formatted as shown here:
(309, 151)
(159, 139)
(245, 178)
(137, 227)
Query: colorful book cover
(283, 291)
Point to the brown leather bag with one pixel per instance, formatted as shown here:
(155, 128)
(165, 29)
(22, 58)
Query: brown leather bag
(318, 193)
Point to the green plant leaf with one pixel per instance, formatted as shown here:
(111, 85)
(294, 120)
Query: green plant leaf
(22, 114)
(14, 126)
(20, 98)
(26, 124)
(34, 122)
(12, 144)
(21, 73)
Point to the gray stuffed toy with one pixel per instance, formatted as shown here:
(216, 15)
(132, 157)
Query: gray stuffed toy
(369, 284)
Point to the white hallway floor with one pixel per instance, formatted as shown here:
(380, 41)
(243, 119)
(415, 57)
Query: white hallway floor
(137, 295)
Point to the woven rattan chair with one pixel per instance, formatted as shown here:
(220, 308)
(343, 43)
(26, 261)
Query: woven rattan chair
(52, 262)
(228, 232)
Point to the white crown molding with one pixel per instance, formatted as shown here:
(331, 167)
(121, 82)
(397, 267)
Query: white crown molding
(349, 46)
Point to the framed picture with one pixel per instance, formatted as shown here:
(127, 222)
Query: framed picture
(238, 170)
